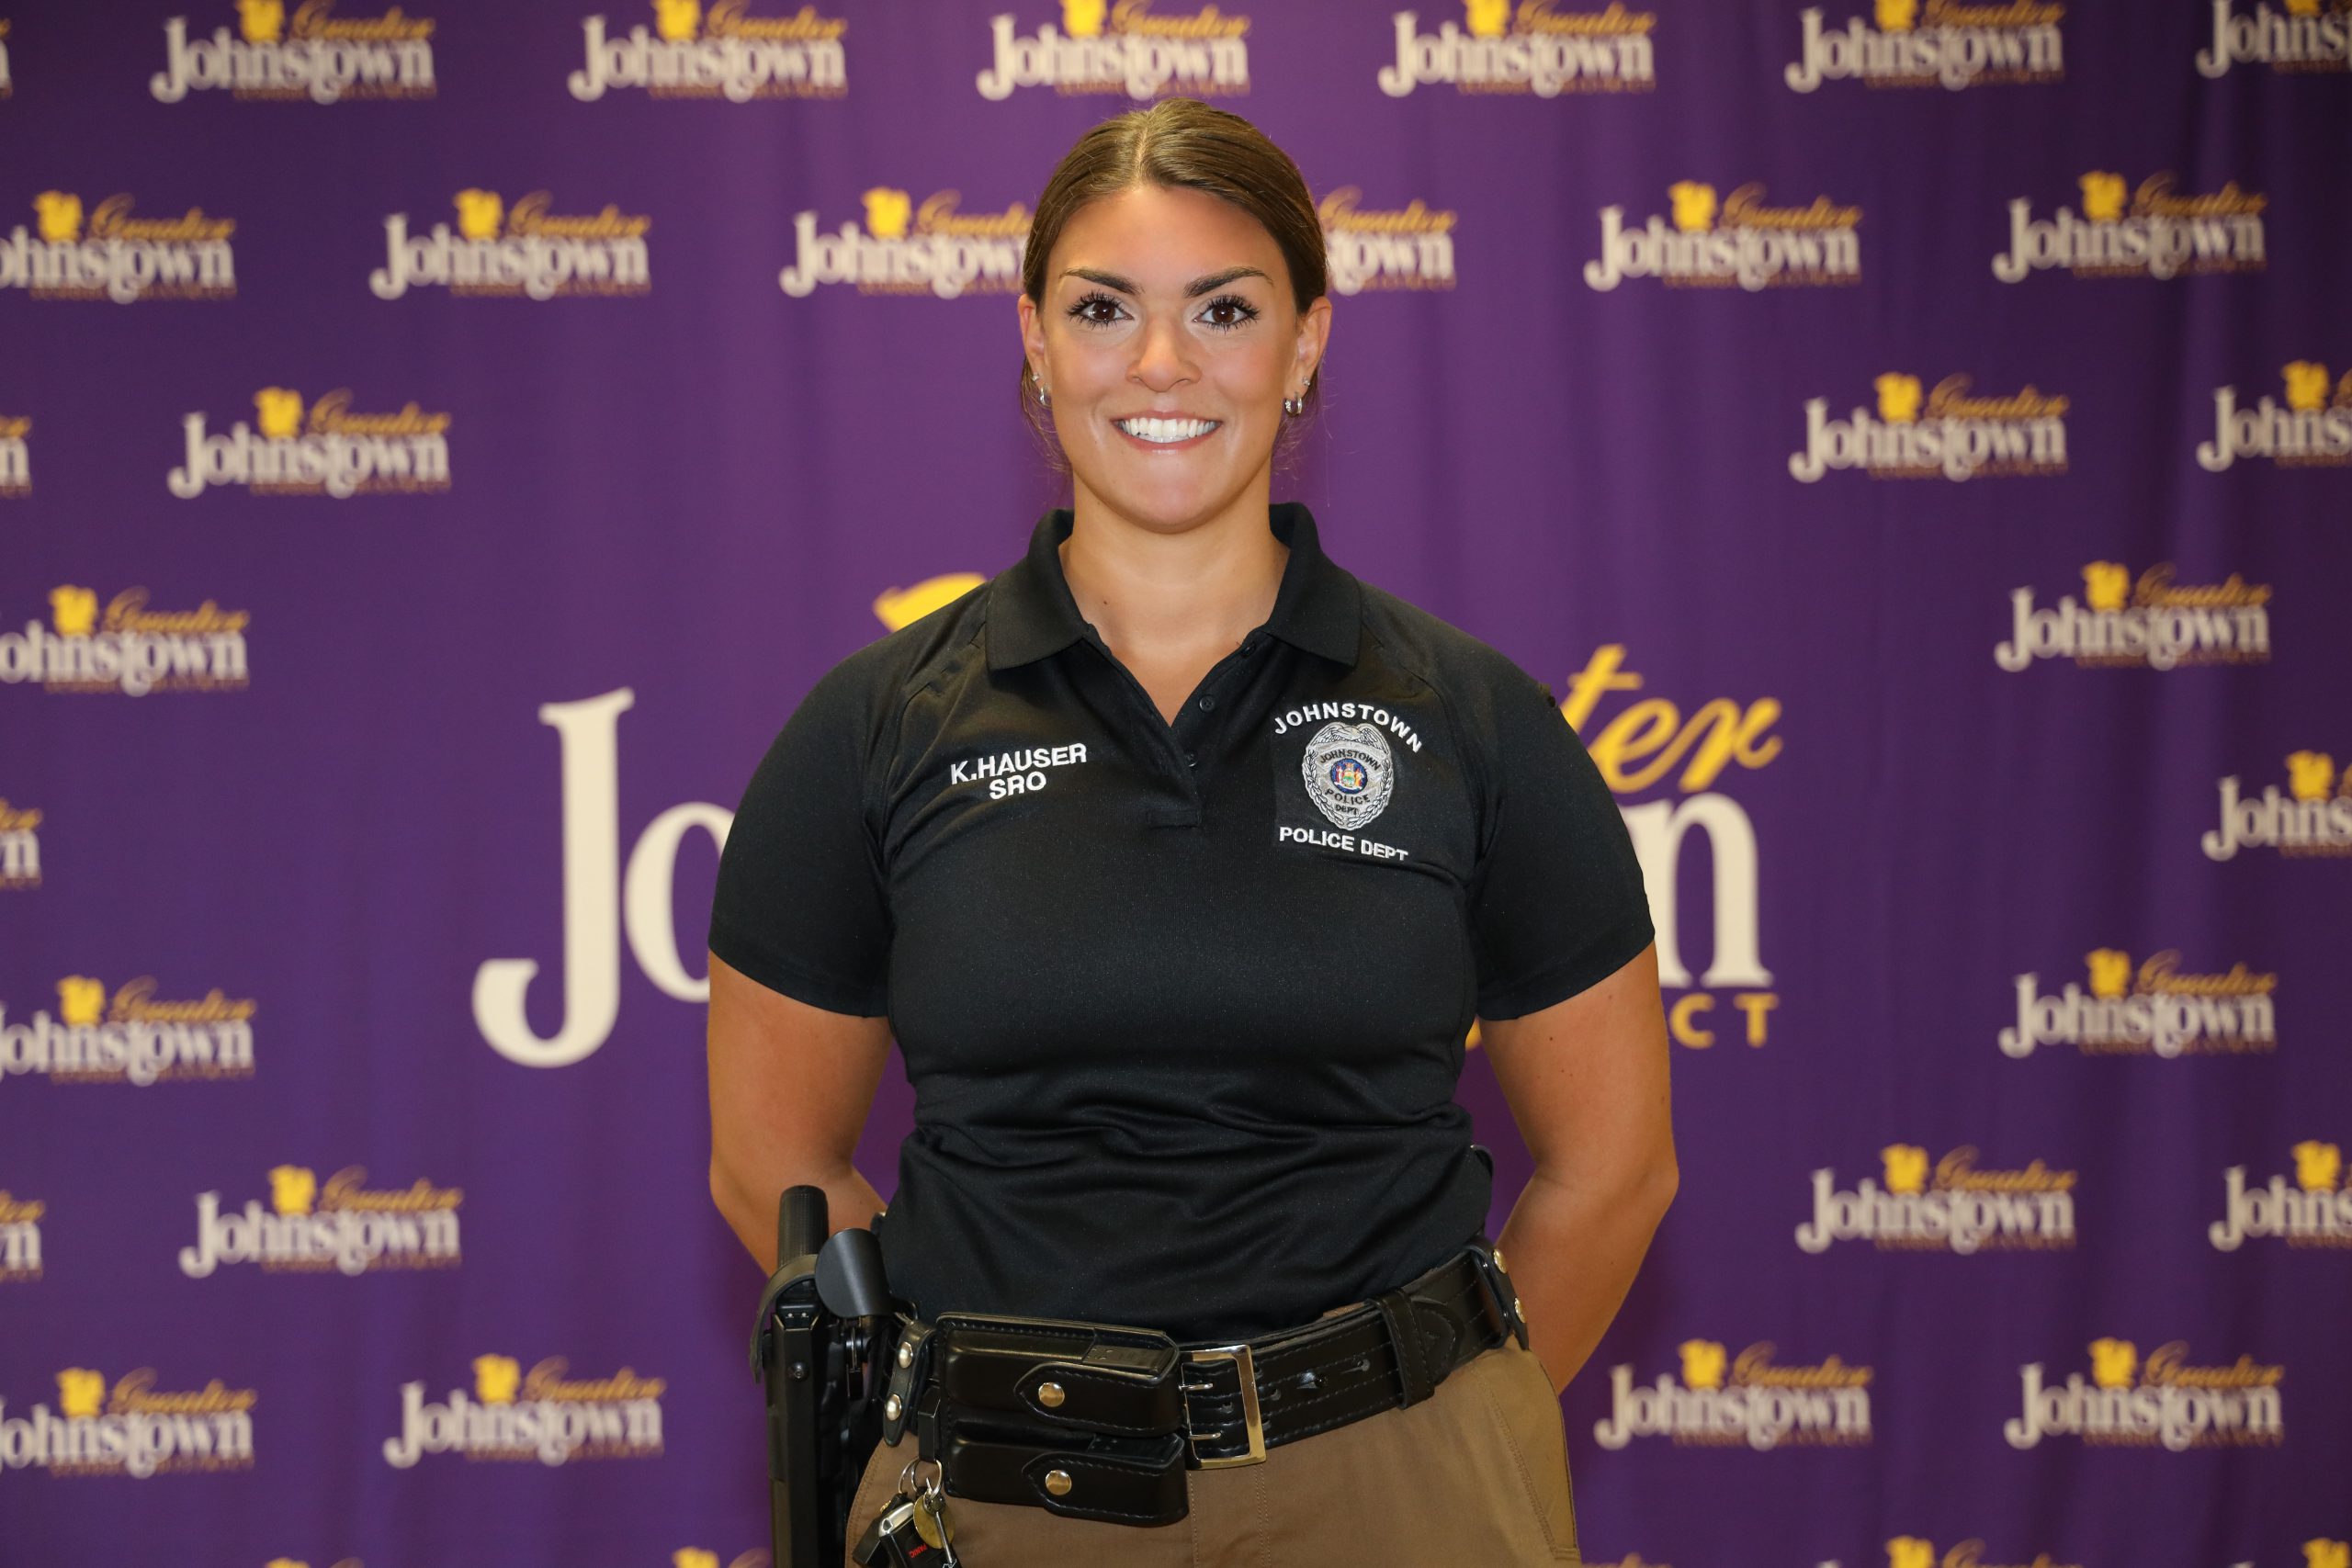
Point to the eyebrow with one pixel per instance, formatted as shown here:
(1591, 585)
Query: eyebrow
(1193, 289)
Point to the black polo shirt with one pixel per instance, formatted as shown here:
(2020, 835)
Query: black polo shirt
(1182, 1007)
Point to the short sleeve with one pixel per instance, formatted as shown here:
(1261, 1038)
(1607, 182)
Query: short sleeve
(1555, 901)
(800, 905)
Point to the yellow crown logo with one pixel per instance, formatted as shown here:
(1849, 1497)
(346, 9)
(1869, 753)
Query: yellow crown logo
(1910, 1551)
(692, 1557)
(279, 411)
(2110, 972)
(1702, 1364)
(283, 1562)
(2102, 197)
(1694, 206)
(74, 610)
(59, 214)
(1907, 1166)
(79, 1391)
(2306, 386)
(80, 999)
(292, 1189)
(495, 1378)
(899, 606)
(2302, 7)
(1896, 15)
(2310, 775)
(1082, 18)
(477, 214)
(1898, 398)
(2105, 583)
(2325, 1553)
(1486, 18)
(2112, 1361)
(887, 211)
(2317, 1166)
(675, 19)
(263, 21)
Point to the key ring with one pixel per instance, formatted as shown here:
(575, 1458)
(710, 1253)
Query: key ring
(931, 1485)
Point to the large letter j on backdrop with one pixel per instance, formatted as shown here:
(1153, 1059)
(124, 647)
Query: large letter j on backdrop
(594, 891)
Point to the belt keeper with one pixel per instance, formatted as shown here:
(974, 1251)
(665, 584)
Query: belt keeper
(914, 1344)
(1412, 1364)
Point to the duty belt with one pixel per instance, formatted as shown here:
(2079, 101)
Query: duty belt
(1095, 1421)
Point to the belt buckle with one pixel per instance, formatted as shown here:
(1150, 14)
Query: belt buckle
(1244, 1368)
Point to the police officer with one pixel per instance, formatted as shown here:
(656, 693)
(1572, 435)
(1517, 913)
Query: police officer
(1178, 862)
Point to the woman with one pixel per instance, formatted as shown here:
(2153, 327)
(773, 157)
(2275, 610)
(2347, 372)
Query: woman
(1178, 862)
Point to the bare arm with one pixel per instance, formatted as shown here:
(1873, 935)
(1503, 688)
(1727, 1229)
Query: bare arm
(1586, 1080)
(790, 1085)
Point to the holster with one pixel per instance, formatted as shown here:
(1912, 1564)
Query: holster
(820, 1343)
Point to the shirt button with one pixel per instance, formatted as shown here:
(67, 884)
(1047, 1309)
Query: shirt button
(1207, 703)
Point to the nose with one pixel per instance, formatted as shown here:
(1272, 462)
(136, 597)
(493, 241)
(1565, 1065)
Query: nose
(1162, 361)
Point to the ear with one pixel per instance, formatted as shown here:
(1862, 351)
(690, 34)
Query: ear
(1033, 337)
(1314, 336)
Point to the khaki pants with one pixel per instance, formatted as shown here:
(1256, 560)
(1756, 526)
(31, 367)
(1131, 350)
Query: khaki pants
(1475, 1474)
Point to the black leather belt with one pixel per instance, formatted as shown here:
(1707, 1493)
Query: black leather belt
(1095, 1421)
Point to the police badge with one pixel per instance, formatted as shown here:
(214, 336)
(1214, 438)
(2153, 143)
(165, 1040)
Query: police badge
(1350, 773)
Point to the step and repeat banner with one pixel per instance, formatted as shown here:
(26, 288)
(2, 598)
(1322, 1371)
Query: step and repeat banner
(439, 444)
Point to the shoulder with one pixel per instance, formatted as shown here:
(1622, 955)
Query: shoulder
(1473, 676)
(874, 684)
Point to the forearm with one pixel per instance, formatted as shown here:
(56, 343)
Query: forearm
(747, 1200)
(1572, 1246)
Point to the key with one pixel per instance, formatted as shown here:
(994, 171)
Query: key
(932, 1524)
(896, 1539)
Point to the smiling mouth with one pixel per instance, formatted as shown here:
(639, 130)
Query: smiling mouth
(1167, 432)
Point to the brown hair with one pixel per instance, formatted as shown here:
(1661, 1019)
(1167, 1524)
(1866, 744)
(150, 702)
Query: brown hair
(1179, 142)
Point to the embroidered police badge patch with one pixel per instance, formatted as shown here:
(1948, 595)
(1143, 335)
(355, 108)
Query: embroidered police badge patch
(1349, 772)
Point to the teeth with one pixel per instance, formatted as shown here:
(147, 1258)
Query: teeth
(1166, 430)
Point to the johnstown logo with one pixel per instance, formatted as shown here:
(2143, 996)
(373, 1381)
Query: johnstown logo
(546, 1416)
(2158, 1010)
(519, 252)
(134, 1429)
(2152, 624)
(2314, 430)
(130, 649)
(304, 51)
(343, 1225)
(1948, 43)
(136, 1037)
(1959, 1206)
(1123, 48)
(2314, 817)
(16, 458)
(20, 1237)
(2158, 233)
(1761, 1403)
(108, 253)
(329, 450)
(1527, 47)
(2162, 1400)
(19, 847)
(1957, 435)
(722, 51)
(1740, 240)
(1407, 247)
(1917, 1551)
(2305, 35)
(2315, 1211)
(905, 249)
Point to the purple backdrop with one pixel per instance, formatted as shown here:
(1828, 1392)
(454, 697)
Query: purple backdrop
(437, 449)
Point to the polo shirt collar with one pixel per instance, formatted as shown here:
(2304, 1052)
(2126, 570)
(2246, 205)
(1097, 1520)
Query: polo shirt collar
(1318, 607)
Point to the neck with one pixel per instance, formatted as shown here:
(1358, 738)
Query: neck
(1165, 593)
